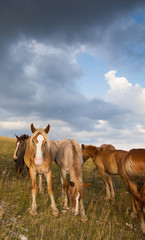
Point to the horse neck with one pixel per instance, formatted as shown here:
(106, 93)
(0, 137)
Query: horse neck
(92, 151)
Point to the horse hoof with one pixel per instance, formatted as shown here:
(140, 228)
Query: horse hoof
(64, 210)
(107, 198)
(55, 213)
(84, 219)
(133, 215)
(33, 212)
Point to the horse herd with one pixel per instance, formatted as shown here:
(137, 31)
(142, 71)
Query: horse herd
(37, 152)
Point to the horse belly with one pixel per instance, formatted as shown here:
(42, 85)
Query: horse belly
(112, 168)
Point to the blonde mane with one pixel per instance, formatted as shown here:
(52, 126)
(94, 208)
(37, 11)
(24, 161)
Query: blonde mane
(43, 133)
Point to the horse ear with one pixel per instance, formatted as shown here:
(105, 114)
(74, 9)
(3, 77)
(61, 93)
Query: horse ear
(83, 146)
(47, 128)
(33, 129)
(16, 136)
(72, 184)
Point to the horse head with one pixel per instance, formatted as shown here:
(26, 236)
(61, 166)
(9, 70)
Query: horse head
(39, 144)
(75, 193)
(20, 146)
(89, 151)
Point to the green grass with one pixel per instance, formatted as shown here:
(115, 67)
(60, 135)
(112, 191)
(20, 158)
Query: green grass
(106, 219)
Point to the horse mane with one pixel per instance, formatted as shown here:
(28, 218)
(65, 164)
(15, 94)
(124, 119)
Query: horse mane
(24, 136)
(92, 150)
(43, 133)
(77, 164)
(132, 174)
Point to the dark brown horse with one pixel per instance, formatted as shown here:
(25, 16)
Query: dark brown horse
(134, 172)
(38, 158)
(108, 162)
(68, 156)
(19, 153)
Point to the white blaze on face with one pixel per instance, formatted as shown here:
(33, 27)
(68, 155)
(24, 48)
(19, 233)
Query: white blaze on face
(15, 157)
(77, 204)
(39, 158)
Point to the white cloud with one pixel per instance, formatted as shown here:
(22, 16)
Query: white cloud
(123, 93)
(11, 125)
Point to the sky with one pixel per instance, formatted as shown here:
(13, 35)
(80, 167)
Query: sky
(78, 65)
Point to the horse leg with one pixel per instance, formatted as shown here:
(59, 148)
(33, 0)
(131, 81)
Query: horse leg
(40, 184)
(27, 169)
(64, 190)
(102, 174)
(82, 211)
(111, 182)
(94, 174)
(33, 210)
(138, 205)
(50, 192)
(18, 173)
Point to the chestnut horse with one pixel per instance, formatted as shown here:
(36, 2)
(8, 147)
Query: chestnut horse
(107, 161)
(108, 146)
(38, 158)
(68, 156)
(19, 153)
(134, 172)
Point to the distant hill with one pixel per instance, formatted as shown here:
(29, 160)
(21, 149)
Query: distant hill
(7, 138)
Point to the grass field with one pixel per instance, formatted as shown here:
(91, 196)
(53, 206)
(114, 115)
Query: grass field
(106, 219)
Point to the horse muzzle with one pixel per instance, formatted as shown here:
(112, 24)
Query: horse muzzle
(15, 159)
(38, 161)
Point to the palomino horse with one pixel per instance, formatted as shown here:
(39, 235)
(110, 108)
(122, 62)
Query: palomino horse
(38, 158)
(108, 146)
(69, 160)
(19, 153)
(134, 173)
(107, 161)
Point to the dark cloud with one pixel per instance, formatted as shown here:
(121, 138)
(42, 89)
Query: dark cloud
(70, 20)
(38, 72)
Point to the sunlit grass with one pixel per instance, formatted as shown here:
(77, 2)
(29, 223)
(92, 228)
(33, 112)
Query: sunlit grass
(106, 219)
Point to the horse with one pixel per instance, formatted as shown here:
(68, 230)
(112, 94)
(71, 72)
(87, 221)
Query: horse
(108, 146)
(38, 158)
(107, 161)
(19, 153)
(134, 173)
(69, 160)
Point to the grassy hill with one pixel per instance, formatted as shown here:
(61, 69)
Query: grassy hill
(106, 219)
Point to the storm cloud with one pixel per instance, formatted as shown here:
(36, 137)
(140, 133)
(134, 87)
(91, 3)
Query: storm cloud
(39, 72)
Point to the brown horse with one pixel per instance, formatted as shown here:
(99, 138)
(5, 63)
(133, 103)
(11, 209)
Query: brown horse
(108, 146)
(38, 158)
(107, 161)
(69, 160)
(134, 172)
(19, 153)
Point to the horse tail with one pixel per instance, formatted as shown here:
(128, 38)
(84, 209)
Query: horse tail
(131, 173)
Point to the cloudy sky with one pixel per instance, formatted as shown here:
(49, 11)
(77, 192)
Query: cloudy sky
(78, 65)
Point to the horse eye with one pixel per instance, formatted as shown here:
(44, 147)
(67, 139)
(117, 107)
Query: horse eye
(32, 141)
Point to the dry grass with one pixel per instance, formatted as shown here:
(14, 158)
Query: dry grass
(106, 219)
